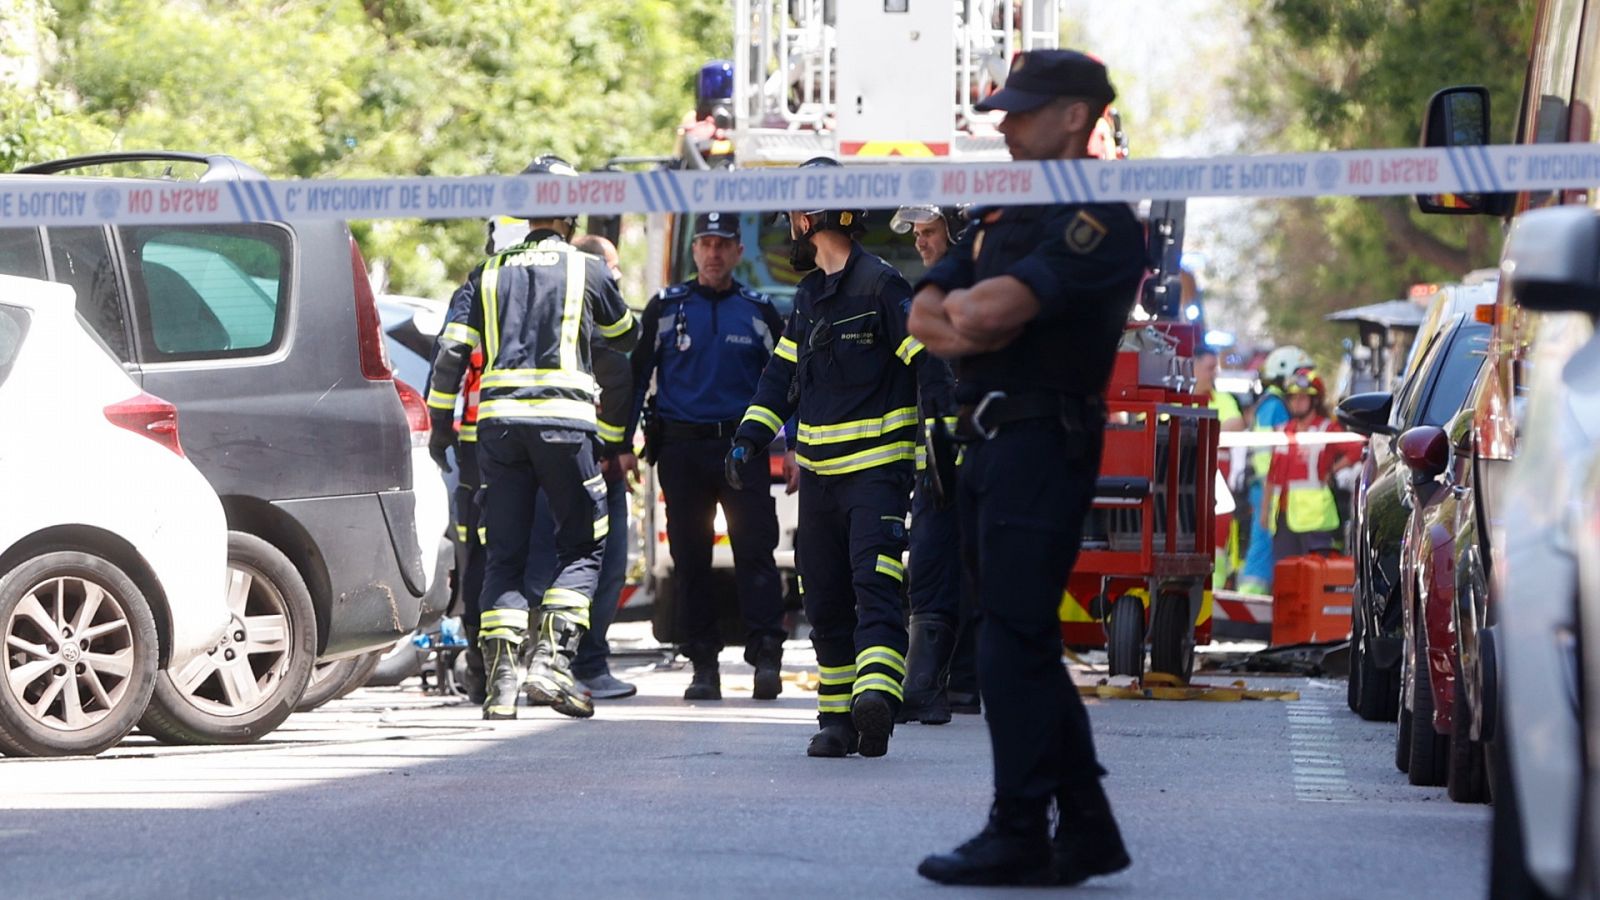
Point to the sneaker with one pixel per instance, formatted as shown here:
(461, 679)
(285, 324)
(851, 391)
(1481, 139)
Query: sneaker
(606, 686)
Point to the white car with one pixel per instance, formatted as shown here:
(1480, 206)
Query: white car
(1538, 761)
(113, 547)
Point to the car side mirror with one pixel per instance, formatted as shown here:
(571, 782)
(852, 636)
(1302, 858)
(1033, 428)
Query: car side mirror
(1367, 413)
(1459, 117)
(1425, 450)
(1553, 256)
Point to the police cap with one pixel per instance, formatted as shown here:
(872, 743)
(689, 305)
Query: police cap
(1039, 76)
(717, 224)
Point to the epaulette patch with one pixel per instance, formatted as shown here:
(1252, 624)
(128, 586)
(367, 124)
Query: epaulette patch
(754, 295)
(675, 290)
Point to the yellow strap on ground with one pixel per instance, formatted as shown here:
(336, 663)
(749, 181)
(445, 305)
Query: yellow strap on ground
(1160, 686)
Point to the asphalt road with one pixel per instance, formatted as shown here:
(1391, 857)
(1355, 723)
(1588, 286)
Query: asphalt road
(389, 793)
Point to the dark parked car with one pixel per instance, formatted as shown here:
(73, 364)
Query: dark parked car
(266, 336)
(1432, 393)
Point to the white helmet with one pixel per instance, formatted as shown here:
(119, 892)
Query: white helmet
(1283, 362)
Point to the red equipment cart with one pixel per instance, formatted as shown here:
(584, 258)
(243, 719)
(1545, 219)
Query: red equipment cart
(1149, 543)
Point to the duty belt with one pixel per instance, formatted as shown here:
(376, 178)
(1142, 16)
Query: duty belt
(697, 431)
(983, 420)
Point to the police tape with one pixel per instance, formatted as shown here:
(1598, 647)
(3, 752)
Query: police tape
(1360, 173)
(1231, 440)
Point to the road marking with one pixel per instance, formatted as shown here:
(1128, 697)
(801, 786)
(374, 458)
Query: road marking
(1318, 770)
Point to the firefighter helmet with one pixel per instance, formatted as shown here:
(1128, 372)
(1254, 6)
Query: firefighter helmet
(1283, 362)
(849, 221)
(1304, 380)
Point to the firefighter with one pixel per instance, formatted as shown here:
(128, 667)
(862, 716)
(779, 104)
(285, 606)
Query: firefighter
(706, 341)
(469, 538)
(1031, 303)
(848, 367)
(940, 627)
(1301, 513)
(532, 309)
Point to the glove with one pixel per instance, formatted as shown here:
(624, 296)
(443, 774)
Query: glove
(737, 456)
(441, 439)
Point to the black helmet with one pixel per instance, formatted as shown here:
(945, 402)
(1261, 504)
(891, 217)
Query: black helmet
(550, 164)
(849, 221)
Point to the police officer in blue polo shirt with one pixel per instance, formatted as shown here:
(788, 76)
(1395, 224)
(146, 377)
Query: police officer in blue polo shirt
(706, 342)
(1031, 303)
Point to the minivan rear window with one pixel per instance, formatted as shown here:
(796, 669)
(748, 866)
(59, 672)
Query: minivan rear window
(208, 291)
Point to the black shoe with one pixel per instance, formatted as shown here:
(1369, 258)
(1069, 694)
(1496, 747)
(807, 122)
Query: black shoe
(706, 684)
(500, 700)
(933, 639)
(872, 712)
(1012, 849)
(963, 703)
(476, 682)
(549, 680)
(1087, 841)
(834, 742)
(767, 657)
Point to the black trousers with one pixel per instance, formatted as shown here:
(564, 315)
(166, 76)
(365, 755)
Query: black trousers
(852, 538)
(470, 550)
(1023, 498)
(692, 480)
(517, 461)
(934, 565)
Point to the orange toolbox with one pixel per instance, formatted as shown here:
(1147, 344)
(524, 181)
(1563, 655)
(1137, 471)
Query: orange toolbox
(1311, 599)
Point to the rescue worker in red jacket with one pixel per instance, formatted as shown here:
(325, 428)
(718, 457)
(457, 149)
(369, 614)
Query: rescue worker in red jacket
(1302, 515)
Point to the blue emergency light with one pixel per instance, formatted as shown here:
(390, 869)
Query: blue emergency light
(713, 88)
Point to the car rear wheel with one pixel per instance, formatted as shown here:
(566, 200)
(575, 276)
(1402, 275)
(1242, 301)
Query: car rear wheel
(1466, 780)
(1377, 690)
(80, 655)
(1353, 688)
(1125, 637)
(249, 683)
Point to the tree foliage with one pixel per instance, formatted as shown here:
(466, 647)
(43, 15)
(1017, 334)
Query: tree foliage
(1353, 74)
(300, 88)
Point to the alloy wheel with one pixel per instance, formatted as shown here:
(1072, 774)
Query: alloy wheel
(244, 668)
(69, 653)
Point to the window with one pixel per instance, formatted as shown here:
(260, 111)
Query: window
(21, 253)
(1457, 371)
(208, 291)
(81, 259)
(13, 327)
(1404, 414)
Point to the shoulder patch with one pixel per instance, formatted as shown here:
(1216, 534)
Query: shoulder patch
(1084, 233)
(754, 296)
(675, 290)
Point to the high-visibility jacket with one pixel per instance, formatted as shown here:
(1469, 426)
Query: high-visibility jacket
(1297, 482)
(533, 309)
(854, 370)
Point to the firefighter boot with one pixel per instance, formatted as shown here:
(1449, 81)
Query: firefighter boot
(550, 678)
(1012, 849)
(767, 657)
(927, 665)
(836, 739)
(1087, 841)
(707, 681)
(500, 701)
(872, 712)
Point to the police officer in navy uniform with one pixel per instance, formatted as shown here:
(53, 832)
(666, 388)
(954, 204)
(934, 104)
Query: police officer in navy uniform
(850, 370)
(533, 309)
(706, 341)
(1031, 303)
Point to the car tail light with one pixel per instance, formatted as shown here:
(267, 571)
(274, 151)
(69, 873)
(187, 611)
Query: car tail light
(150, 416)
(416, 413)
(369, 327)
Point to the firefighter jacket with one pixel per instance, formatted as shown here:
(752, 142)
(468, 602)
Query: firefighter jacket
(850, 369)
(1297, 483)
(706, 349)
(612, 371)
(534, 309)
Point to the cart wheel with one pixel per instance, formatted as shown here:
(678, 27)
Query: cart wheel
(1125, 644)
(1171, 635)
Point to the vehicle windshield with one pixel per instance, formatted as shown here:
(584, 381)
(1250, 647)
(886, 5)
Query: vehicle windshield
(765, 266)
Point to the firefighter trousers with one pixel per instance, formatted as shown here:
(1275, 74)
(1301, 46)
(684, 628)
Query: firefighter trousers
(850, 546)
(517, 461)
(469, 536)
(1023, 498)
